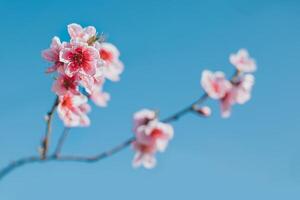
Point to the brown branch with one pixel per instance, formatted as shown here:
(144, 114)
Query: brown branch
(185, 110)
(67, 158)
(46, 140)
(88, 159)
(95, 158)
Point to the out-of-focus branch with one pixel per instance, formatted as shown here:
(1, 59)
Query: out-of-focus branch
(61, 141)
(66, 158)
(185, 110)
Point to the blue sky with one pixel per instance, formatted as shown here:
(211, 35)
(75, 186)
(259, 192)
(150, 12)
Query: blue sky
(165, 45)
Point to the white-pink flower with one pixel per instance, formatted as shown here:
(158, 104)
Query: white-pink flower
(144, 156)
(240, 93)
(143, 117)
(52, 55)
(243, 88)
(82, 34)
(98, 96)
(151, 136)
(83, 64)
(242, 61)
(226, 103)
(64, 84)
(73, 109)
(161, 132)
(215, 84)
(112, 67)
(79, 57)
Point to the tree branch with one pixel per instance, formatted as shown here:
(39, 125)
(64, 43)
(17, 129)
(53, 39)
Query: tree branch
(46, 140)
(56, 157)
(67, 158)
(61, 141)
(89, 159)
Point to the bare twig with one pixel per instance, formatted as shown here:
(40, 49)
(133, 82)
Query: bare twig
(61, 141)
(46, 140)
(67, 158)
(185, 110)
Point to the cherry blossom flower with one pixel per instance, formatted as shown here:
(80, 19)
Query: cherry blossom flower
(52, 55)
(242, 61)
(239, 94)
(160, 132)
(65, 84)
(226, 103)
(72, 109)
(98, 96)
(144, 156)
(215, 84)
(112, 67)
(143, 117)
(86, 81)
(83, 64)
(82, 34)
(151, 136)
(243, 88)
(79, 57)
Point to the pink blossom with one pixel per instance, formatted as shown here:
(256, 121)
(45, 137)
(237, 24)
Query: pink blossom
(52, 55)
(226, 103)
(151, 136)
(79, 57)
(142, 117)
(160, 132)
(98, 96)
(87, 82)
(83, 64)
(142, 158)
(112, 66)
(65, 84)
(215, 84)
(73, 109)
(242, 61)
(243, 89)
(240, 94)
(145, 148)
(79, 33)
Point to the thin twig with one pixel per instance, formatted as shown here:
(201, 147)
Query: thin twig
(185, 110)
(46, 140)
(61, 141)
(67, 158)
(99, 156)
(18, 163)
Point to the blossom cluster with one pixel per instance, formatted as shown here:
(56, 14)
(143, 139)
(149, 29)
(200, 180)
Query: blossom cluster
(151, 136)
(235, 91)
(82, 66)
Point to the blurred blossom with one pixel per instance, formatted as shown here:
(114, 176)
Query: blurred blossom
(242, 61)
(151, 136)
(236, 91)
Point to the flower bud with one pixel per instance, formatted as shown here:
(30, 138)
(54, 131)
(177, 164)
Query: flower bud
(204, 111)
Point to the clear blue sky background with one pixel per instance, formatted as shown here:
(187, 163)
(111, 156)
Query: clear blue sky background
(165, 45)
